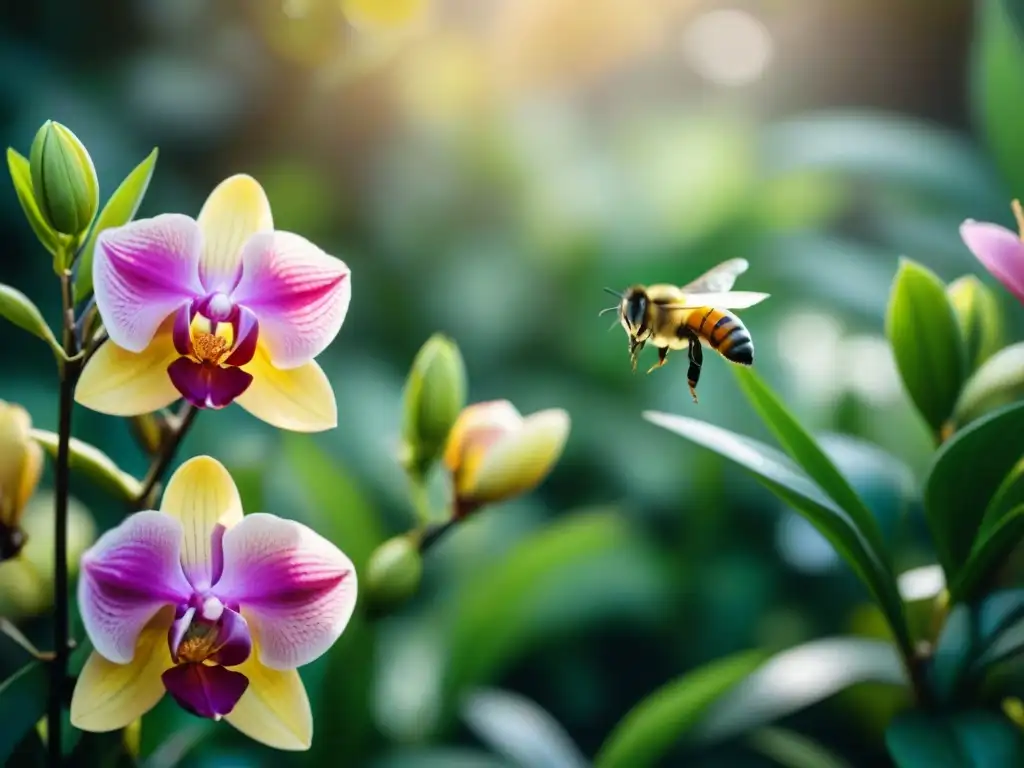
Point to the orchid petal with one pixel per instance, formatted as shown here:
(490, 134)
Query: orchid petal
(122, 383)
(235, 211)
(519, 460)
(109, 696)
(205, 385)
(130, 573)
(142, 272)
(299, 399)
(275, 709)
(296, 589)
(999, 250)
(478, 426)
(207, 691)
(299, 294)
(234, 639)
(204, 498)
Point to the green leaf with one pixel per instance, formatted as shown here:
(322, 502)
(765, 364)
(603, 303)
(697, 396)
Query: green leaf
(964, 477)
(21, 176)
(659, 721)
(803, 449)
(997, 91)
(94, 464)
(22, 702)
(799, 677)
(989, 553)
(790, 484)
(980, 317)
(19, 309)
(793, 750)
(999, 381)
(119, 210)
(974, 739)
(1000, 627)
(520, 730)
(926, 342)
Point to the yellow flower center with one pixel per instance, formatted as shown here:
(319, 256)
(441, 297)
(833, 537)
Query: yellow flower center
(211, 343)
(198, 644)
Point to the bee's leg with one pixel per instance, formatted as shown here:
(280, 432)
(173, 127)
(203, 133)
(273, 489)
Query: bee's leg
(662, 355)
(696, 359)
(634, 351)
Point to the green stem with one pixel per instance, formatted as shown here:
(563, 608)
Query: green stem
(69, 371)
(166, 455)
(420, 497)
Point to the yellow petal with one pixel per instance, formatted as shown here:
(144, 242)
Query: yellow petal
(235, 211)
(477, 426)
(386, 14)
(122, 383)
(299, 399)
(21, 461)
(274, 709)
(202, 495)
(521, 459)
(109, 696)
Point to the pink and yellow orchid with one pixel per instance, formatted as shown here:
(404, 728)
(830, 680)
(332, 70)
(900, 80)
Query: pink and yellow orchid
(1000, 250)
(216, 310)
(215, 607)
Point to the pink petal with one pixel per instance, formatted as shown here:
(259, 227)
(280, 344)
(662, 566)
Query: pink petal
(206, 691)
(207, 386)
(144, 271)
(296, 589)
(999, 250)
(128, 575)
(299, 294)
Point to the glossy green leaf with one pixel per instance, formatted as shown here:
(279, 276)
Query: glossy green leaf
(659, 721)
(990, 551)
(965, 475)
(997, 91)
(952, 655)
(21, 177)
(793, 750)
(119, 210)
(790, 484)
(806, 452)
(520, 730)
(980, 317)
(1000, 627)
(999, 381)
(799, 677)
(19, 309)
(926, 342)
(22, 702)
(974, 739)
(94, 464)
(169, 734)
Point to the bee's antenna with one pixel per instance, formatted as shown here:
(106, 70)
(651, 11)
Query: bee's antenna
(606, 310)
(614, 293)
(615, 322)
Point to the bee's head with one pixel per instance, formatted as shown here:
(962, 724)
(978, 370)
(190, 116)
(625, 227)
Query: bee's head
(633, 311)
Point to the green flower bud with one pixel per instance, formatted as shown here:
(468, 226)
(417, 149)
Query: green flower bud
(978, 313)
(394, 571)
(64, 180)
(998, 382)
(435, 393)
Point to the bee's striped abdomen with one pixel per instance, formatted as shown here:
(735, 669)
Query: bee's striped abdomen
(724, 332)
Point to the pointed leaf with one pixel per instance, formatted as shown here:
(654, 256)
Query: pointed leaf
(798, 678)
(520, 730)
(19, 309)
(94, 464)
(793, 750)
(990, 552)
(998, 381)
(654, 725)
(974, 739)
(790, 484)
(21, 177)
(119, 210)
(926, 342)
(22, 702)
(806, 452)
(964, 477)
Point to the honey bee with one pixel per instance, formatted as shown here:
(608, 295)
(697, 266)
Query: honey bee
(674, 317)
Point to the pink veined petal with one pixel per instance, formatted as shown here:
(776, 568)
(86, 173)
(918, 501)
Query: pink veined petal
(144, 271)
(999, 250)
(128, 575)
(296, 589)
(299, 294)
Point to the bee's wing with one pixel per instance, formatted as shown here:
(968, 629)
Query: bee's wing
(718, 279)
(722, 300)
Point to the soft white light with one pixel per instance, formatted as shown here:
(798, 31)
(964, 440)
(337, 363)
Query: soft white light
(808, 345)
(868, 369)
(802, 546)
(921, 583)
(728, 47)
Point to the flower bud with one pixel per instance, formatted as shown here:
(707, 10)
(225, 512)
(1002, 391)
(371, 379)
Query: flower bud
(435, 392)
(394, 571)
(998, 382)
(978, 313)
(493, 453)
(64, 180)
(21, 462)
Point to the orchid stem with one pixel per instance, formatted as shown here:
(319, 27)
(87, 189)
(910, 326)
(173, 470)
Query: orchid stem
(166, 455)
(69, 371)
(420, 498)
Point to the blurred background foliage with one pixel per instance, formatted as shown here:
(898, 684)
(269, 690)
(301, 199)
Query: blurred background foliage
(485, 167)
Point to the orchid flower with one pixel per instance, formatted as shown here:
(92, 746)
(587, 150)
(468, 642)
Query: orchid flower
(216, 310)
(217, 608)
(1000, 250)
